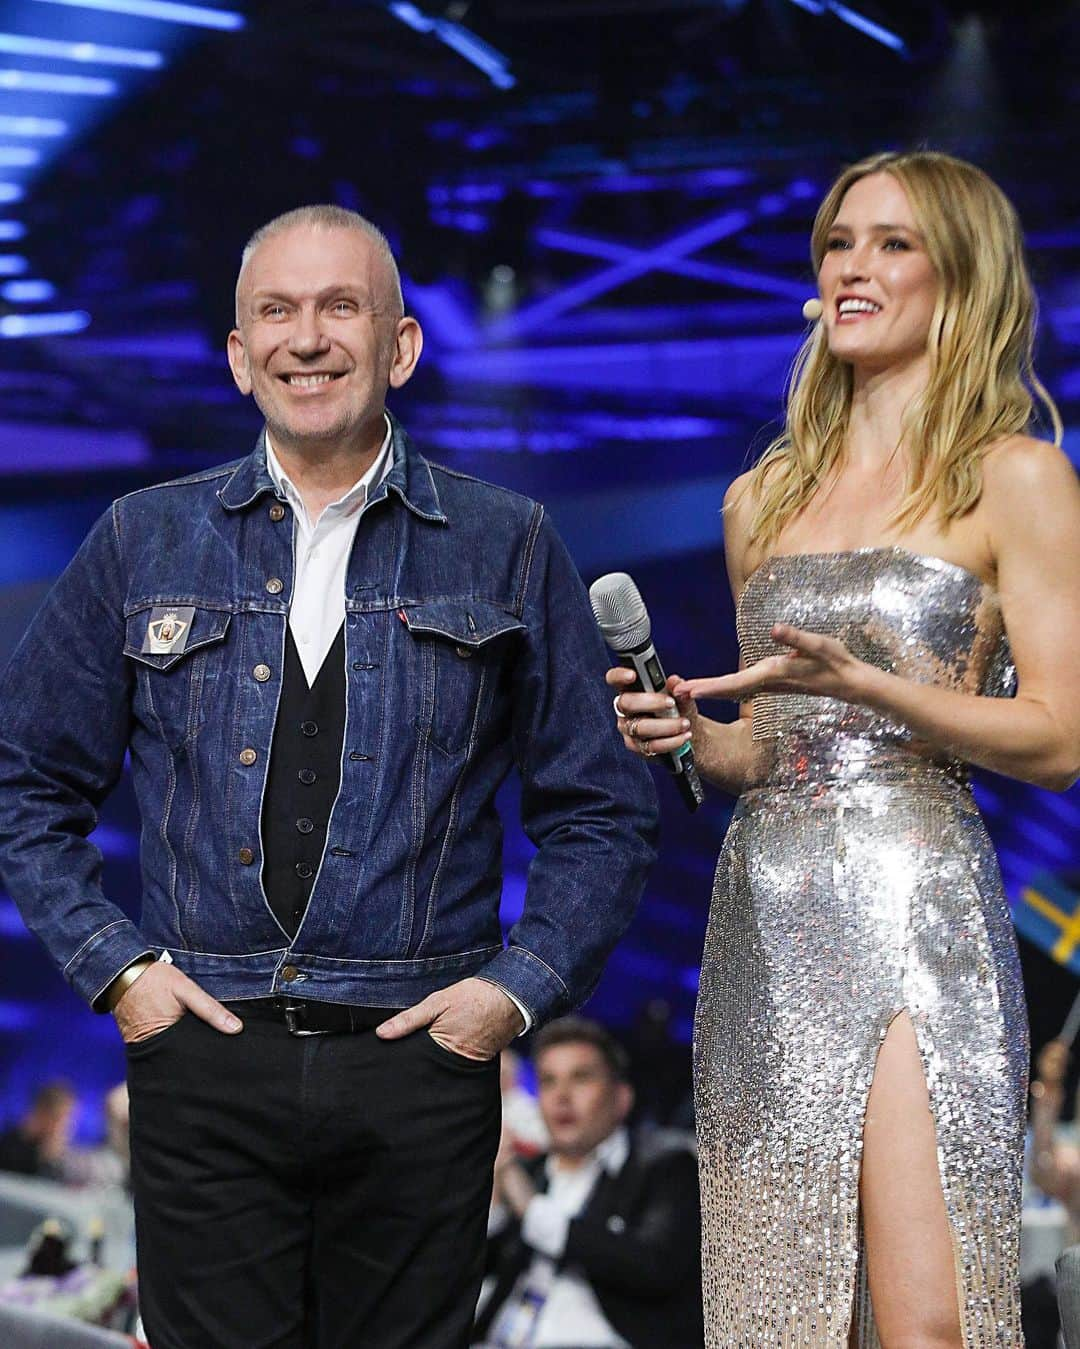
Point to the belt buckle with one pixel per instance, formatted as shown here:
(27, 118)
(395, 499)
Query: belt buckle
(293, 1014)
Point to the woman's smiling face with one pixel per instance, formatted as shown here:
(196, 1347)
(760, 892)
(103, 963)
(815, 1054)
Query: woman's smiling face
(877, 283)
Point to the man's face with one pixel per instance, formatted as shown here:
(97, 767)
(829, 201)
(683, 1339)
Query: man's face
(581, 1101)
(317, 340)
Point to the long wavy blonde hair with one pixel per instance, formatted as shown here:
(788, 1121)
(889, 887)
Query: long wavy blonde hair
(982, 383)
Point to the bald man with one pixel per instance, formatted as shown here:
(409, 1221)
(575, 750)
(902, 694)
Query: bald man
(324, 659)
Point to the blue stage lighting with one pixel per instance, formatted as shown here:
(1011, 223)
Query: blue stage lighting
(11, 264)
(855, 20)
(867, 26)
(18, 45)
(460, 39)
(198, 16)
(18, 157)
(43, 325)
(10, 192)
(33, 128)
(47, 82)
(28, 292)
(11, 229)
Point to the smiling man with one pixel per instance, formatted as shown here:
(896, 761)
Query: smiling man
(324, 659)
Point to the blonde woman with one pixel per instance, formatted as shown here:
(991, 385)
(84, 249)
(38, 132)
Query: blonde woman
(861, 1047)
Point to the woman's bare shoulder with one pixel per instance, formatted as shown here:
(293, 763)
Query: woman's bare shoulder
(1030, 498)
(739, 505)
(1025, 464)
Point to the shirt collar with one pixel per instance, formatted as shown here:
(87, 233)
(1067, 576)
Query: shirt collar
(609, 1156)
(357, 493)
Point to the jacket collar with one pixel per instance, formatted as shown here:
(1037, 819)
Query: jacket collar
(410, 478)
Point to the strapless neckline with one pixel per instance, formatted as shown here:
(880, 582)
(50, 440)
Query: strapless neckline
(929, 560)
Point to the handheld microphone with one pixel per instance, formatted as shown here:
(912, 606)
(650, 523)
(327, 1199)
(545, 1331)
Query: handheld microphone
(624, 623)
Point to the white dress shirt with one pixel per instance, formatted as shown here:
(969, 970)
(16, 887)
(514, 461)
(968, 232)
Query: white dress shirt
(571, 1313)
(320, 561)
(321, 556)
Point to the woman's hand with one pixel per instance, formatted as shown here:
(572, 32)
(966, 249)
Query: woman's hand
(641, 716)
(809, 663)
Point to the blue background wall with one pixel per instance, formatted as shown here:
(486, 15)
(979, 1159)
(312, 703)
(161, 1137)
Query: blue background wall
(602, 213)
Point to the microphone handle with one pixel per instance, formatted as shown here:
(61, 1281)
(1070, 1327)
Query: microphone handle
(651, 679)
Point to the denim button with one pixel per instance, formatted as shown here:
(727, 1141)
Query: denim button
(289, 973)
(304, 825)
(304, 870)
(309, 728)
(277, 512)
(261, 673)
(246, 856)
(464, 652)
(248, 757)
(275, 585)
(306, 776)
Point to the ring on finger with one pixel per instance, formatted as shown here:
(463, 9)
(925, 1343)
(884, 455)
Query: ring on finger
(631, 727)
(615, 704)
(647, 750)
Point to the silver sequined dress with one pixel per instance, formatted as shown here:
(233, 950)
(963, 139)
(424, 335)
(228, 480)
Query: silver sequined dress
(856, 881)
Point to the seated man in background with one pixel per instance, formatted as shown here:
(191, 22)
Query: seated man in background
(600, 1243)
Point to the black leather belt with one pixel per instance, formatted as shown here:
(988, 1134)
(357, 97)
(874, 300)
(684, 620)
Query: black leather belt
(304, 1016)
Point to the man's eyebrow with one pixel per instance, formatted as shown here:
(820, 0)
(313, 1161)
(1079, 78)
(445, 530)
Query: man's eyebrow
(361, 293)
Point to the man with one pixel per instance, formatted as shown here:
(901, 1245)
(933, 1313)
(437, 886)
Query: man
(324, 659)
(39, 1144)
(601, 1247)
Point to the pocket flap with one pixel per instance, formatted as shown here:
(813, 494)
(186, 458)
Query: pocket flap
(162, 634)
(467, 622)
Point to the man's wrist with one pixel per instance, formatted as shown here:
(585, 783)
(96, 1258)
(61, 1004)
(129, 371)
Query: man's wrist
(124, 980)
(526, 1016)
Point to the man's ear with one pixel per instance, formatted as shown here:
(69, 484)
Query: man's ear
(238, 364)
(408, 344)
(626, 1100)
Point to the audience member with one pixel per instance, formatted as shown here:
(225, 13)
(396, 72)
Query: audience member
(38, 1144)
(601, 1243)
(1055, 1164)
(521, 1118)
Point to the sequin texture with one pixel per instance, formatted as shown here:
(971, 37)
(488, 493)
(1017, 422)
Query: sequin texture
(856, 882)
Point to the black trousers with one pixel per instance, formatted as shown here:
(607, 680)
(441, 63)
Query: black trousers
(325, 1192)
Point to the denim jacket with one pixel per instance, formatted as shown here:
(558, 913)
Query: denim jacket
(470, 647)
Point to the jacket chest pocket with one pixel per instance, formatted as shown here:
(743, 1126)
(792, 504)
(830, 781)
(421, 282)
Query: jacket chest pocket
(458, 650)
(178, 652)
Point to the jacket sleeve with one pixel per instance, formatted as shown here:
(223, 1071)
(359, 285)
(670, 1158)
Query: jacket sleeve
(587, 805)
(65, 718)
(657, 1251)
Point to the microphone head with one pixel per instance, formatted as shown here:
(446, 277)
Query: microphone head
(812, 310)
(620, 611)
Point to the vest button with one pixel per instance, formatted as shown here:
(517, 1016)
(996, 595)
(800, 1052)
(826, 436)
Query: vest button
(304, 870)
(248, 757)
(464, 652)
(309, 728)
(275, 585)
(289, 973)
(277, 512)
(306, 776)
(304, 825)
(246, 856)
(261, 673)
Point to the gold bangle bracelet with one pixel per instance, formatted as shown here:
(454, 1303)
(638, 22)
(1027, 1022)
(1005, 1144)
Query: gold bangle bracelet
(125, 979)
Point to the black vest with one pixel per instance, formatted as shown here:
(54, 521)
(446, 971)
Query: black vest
(302, 780)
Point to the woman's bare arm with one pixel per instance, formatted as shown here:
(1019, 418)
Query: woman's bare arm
(1032, 507)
